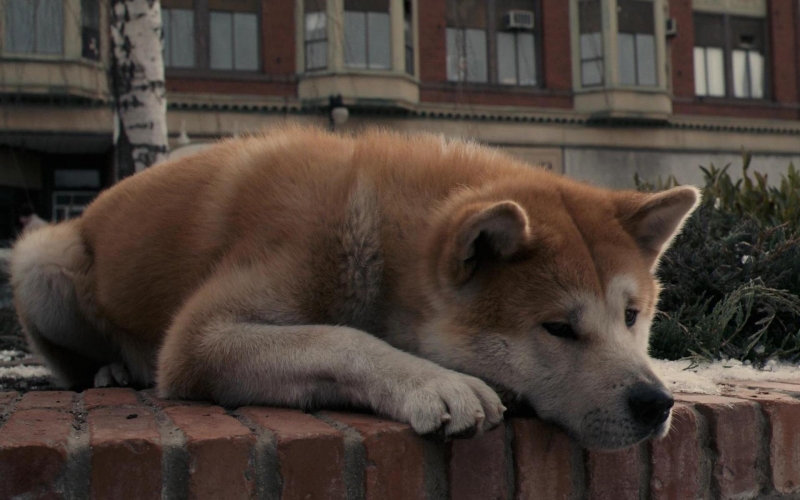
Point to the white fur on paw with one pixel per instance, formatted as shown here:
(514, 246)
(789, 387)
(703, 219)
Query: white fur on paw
(113, 375)
(459, 403)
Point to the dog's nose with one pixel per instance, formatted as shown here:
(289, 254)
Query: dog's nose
(649, 404)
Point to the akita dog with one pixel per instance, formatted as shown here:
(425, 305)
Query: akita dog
(403, 274)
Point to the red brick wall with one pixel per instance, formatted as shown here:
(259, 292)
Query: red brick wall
(116, 443)
(682, 49)
(556, 45)
(494, 96)
(432, 41)
(278, 40)
(782, 38)
(207, 84)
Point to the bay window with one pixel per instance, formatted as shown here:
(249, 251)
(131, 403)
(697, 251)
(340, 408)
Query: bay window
(636, 43)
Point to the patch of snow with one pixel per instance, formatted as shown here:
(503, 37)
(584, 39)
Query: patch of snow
(23, 372)
(11, 354)
(703, 378)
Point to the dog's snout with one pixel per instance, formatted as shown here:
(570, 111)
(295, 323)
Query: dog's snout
(650, 405)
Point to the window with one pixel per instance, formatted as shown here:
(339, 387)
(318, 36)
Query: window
(636, 43)
(408, 36)
(177, 21)
(467, 53)
(74, 191)
(729, 56)
(709, 56)
(233, 35)
(90, 29)
(516, 63)
(316, 35)
(34, 26)
(367, 42)
(591, 43)
(515, 25)
(747, 56)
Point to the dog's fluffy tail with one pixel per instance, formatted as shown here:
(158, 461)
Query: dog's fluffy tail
(50, 268)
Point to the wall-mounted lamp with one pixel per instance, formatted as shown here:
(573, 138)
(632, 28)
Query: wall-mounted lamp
(338, 113)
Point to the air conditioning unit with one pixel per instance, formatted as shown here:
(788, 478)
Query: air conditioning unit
(672, 27)
(518, 20)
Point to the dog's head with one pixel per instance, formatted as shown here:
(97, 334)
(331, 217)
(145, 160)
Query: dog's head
(547, 290)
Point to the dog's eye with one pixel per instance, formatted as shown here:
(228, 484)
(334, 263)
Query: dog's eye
(563, 330)
(630, 316)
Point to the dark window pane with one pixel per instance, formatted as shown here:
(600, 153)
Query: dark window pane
(589, 16)
(709, 30)
(220, 28)
(635, 16)
(19, 26)
(366, 5)
(245, 29)
(747, 33)
(466, 13)
(90, 14)
(76, 178)
(314, 6)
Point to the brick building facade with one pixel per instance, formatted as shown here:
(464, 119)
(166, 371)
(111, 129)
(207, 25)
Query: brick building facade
(598, 89)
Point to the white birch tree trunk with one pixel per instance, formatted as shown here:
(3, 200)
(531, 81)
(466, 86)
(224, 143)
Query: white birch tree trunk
(137, 80)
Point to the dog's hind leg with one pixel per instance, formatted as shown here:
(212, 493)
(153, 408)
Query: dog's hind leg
(50, 272)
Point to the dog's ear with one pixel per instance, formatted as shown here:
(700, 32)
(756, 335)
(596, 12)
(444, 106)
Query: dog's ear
(655, 219)
(481, 233)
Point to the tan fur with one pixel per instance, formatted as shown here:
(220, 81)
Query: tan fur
(380, 270)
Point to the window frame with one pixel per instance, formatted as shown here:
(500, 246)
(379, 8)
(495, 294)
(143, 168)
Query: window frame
(517, 79)
(315, 41)
(493, 15)
(728, 47)
(202, 10)
(635, 32)
(91, 32)
(366, 67)
(463, 37)
(233, 68)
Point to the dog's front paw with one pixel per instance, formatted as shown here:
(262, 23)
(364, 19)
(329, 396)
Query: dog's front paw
(457, 404)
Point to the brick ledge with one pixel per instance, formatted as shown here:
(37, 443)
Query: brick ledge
(117, 443)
